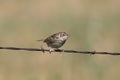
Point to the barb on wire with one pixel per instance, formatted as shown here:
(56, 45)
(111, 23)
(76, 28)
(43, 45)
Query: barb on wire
(61, 50)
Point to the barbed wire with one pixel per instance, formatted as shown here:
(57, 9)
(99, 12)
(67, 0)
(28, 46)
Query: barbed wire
(61, 50)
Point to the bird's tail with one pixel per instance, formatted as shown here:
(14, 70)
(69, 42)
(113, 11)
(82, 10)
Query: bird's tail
(41, 40)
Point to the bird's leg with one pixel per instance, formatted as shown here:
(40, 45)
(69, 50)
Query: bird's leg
(42, 49)
(51, 50)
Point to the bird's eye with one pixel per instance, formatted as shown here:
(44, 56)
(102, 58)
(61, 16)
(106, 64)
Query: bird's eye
(63, 34)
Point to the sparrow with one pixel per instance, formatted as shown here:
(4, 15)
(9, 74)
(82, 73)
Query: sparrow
(56, 40)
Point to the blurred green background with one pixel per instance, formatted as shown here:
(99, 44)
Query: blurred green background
(91, 25)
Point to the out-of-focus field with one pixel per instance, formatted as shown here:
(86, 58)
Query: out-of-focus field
(91, 25)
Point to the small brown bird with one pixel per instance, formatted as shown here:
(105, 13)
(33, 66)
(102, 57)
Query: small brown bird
(56, 40)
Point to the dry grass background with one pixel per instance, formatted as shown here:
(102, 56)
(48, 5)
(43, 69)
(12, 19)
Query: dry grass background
(91, 24)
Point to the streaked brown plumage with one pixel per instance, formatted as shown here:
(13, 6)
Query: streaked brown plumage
(56, 40)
